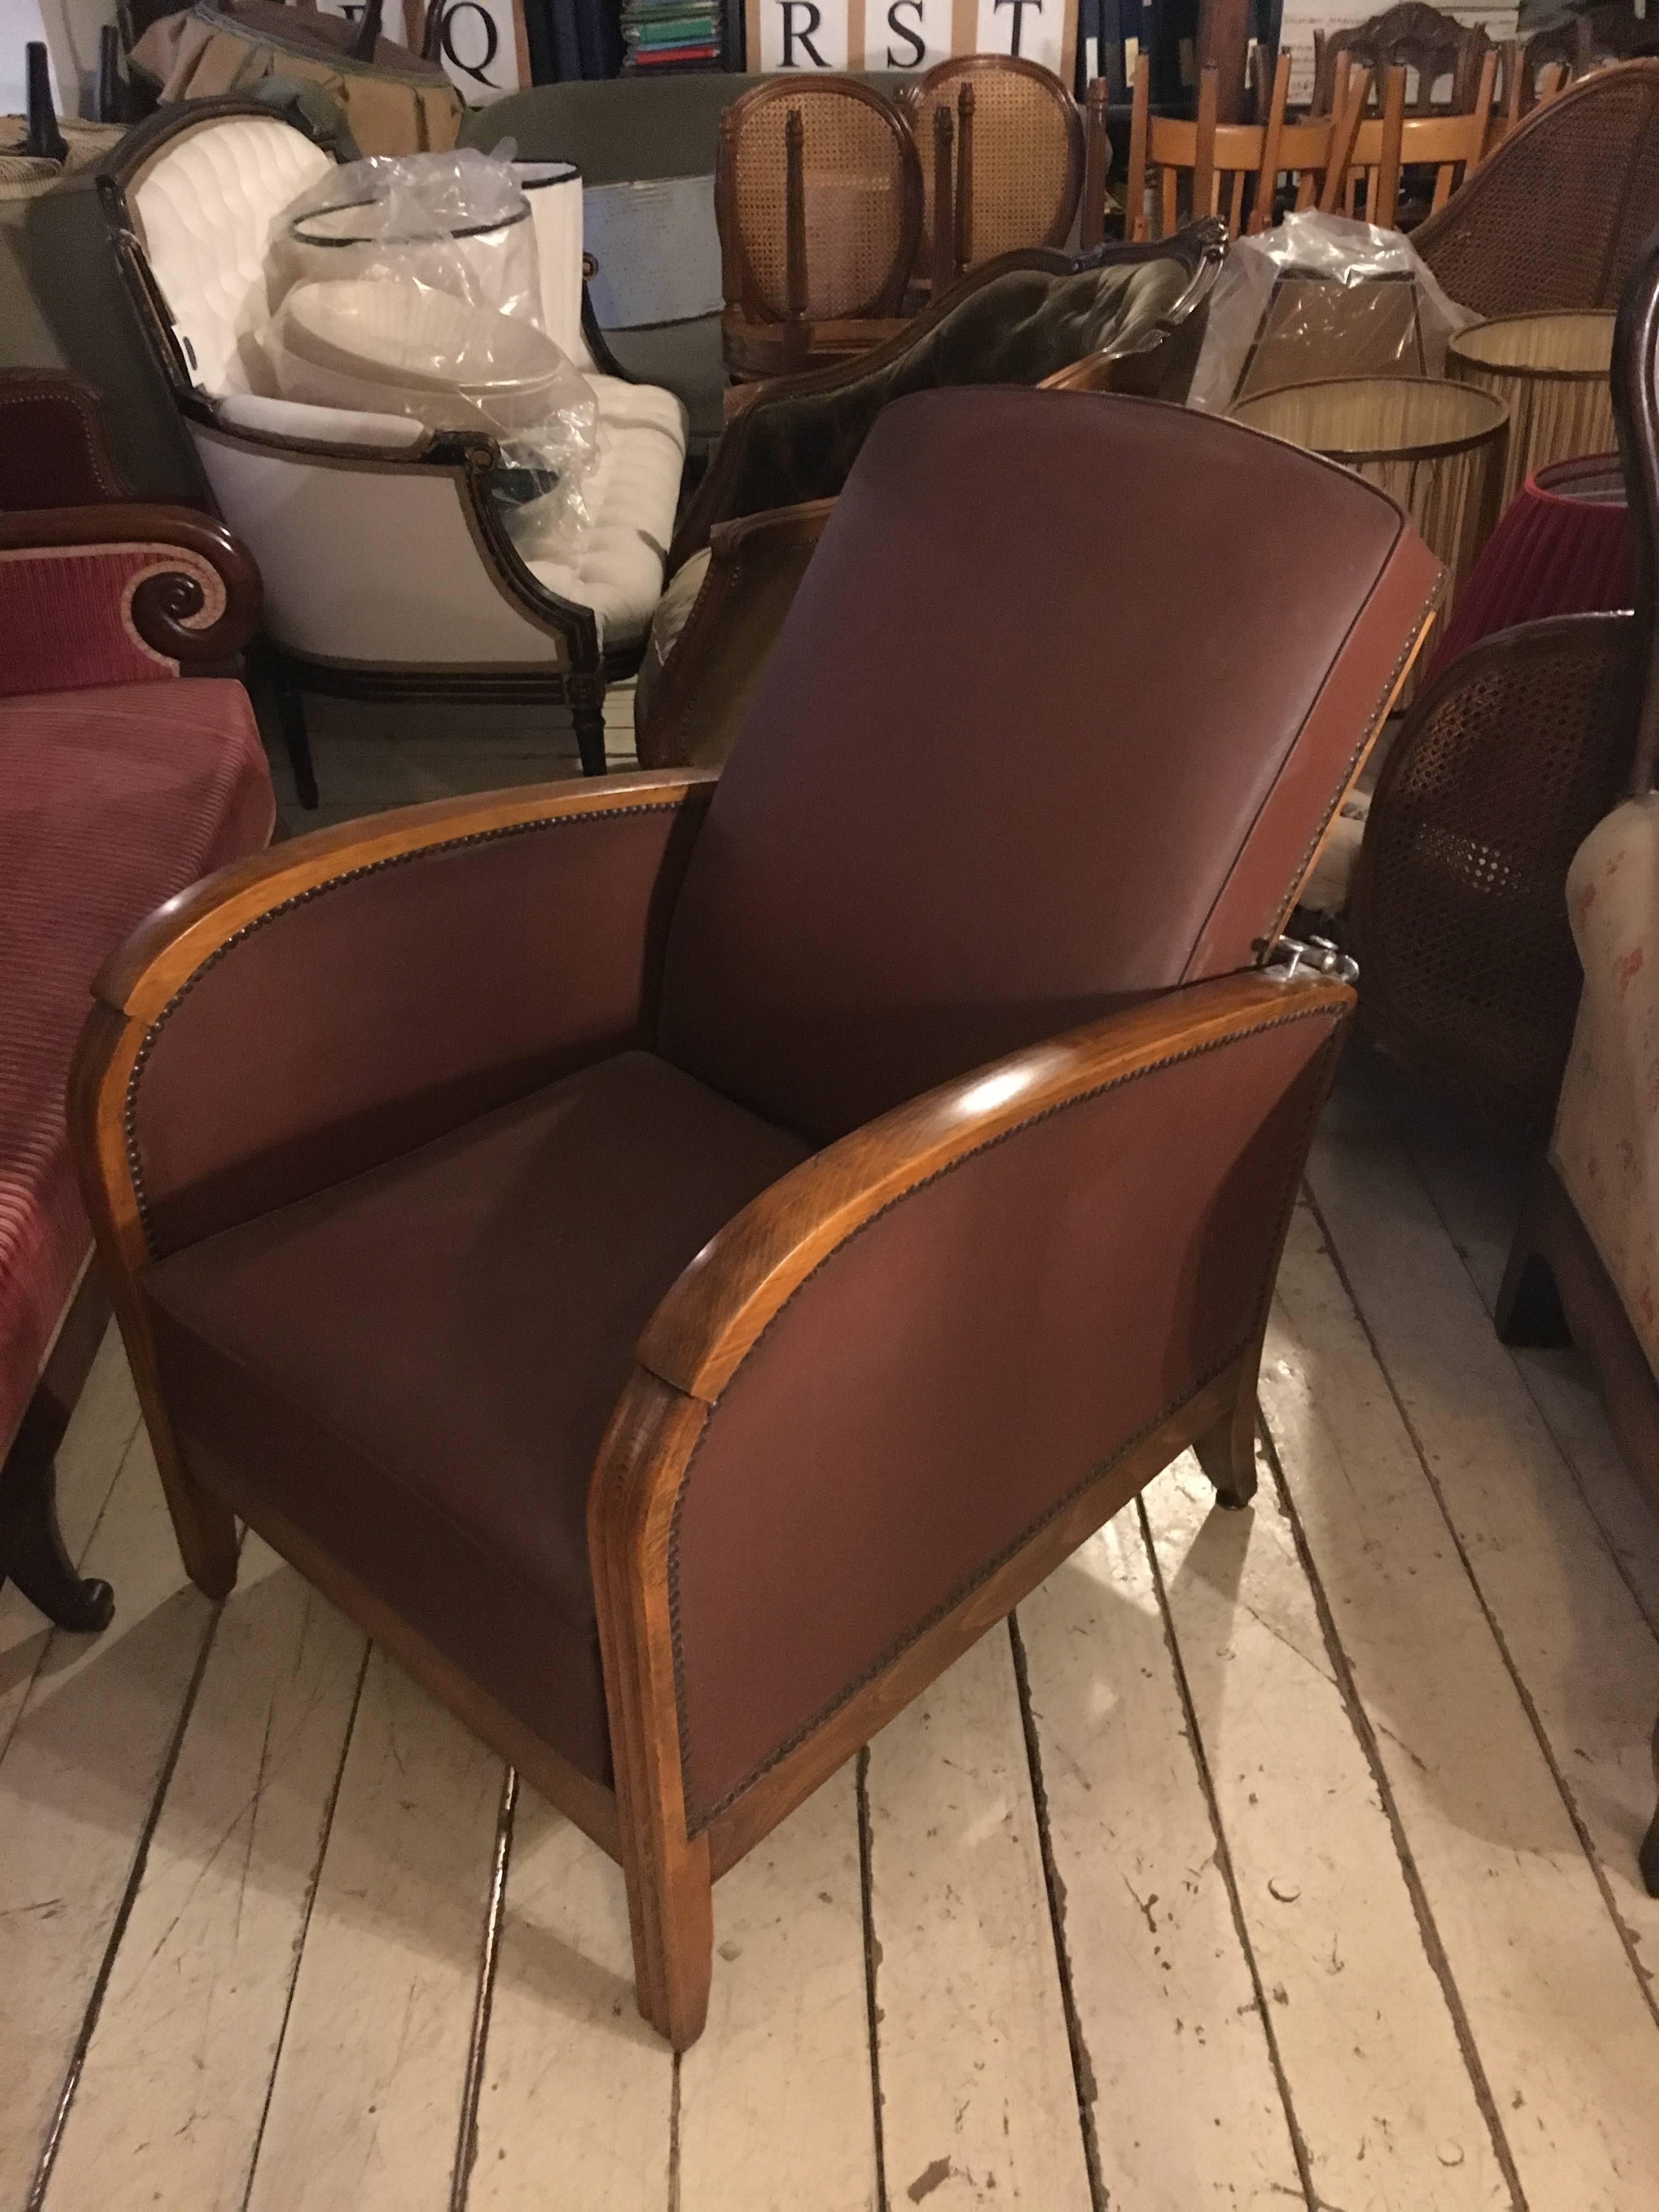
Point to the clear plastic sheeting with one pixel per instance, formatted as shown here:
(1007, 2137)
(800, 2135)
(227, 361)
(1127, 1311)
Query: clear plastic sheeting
(1317, 296)
(411, 286)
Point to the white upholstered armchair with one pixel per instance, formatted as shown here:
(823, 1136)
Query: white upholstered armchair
(387, 571)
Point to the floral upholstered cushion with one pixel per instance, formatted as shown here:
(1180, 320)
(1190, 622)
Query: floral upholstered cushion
(1606, 1146)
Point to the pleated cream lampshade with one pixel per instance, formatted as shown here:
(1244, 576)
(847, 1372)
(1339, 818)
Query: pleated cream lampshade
(1550, 372)
(1437, 447)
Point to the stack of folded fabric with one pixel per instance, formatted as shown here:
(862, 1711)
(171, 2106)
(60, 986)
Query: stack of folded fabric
(663, 34)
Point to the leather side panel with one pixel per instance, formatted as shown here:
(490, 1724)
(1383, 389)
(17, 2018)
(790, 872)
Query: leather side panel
(960, 1368)
(383, 1010)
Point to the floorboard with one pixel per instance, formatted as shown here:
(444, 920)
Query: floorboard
(578, 2092)
(1380, 2098)
(1585, 1661)
(77, 1786)
(366, 2103)
(775, 2106)
(1185, 2109)
(1556, 2021)
(174, 2080)
(976, 2073)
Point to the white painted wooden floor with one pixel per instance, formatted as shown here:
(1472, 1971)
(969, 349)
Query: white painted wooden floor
(1274, 1859)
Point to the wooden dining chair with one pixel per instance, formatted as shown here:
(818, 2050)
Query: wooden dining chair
(1425, 41)
(1222, 159)
(1386, 145)
(1532, 73)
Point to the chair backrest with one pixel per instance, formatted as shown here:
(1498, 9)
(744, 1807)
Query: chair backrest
(1018, 152)
(1451, 144)
(1219, 159)
(860, 192)
(203, 204)
(1430, 45)
(1058, 718)
(1557, 216)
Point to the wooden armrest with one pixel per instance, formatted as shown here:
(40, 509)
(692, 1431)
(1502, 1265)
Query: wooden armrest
(719, 1306)
(181, 937)
(168, 610)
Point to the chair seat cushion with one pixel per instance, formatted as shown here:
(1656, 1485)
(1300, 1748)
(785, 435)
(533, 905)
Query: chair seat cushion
(416, 1367)
(111, 800)
(632, 495)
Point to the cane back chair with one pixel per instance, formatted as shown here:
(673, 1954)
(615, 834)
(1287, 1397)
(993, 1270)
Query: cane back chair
(1016, 141)
(718, 1242)
(1557, 216)
(818, 200)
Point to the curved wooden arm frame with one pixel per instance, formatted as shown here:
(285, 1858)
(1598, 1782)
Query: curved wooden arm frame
(166, 610)
(688, 1354)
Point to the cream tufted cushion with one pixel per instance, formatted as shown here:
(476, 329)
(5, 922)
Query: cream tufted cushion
(203, 209)
(632, 495)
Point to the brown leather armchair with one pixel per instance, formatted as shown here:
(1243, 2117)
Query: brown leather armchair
(715, 1245)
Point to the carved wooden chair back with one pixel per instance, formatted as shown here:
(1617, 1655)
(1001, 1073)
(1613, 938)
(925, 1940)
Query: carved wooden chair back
(1420, 39)
(1225, 162)
(1452, 145)
(1015, 141)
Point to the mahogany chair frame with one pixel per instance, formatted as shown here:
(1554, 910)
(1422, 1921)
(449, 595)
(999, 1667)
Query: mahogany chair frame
(758, 339)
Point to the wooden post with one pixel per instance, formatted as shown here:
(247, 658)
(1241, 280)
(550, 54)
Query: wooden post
(1224, 44)
(964, 224)
(1384, 210)
(794, 190)
(368, 32)
(43, 139)
(1096, 161)
(944, 220)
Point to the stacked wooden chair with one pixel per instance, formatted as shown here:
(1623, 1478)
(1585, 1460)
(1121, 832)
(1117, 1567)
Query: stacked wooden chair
(1230, 169)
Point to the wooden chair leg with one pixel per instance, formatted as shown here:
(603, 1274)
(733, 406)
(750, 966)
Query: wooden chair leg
(1650, 1846)
(589, 719)
(1528, 1311)
(1227, 1452)
(670, 1909)
(32, 1545)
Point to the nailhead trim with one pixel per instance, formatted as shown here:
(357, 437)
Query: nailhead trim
(130, 1115)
